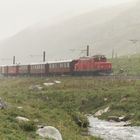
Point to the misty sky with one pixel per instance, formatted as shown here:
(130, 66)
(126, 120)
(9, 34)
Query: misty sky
(16, 15)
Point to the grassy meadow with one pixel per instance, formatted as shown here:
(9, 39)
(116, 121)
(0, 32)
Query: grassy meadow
(127, 65)
(64, 105)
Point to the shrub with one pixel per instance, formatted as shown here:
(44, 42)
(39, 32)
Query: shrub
(27, 126)
(80, 119)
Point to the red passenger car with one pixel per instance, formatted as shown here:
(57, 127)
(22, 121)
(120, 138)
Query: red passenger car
(85, 65)
(37, 69)
(12, 70)
(23, 70)
(4, 70)
(59, 67)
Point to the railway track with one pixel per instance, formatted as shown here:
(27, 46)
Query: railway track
(120, 77)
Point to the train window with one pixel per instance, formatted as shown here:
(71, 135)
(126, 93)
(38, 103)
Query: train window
(53, 65)
(58, 65)
(50, 66)
(39, 67)
(61, 65)
(68, 65)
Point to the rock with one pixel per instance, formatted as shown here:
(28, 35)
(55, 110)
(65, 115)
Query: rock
(48, 84)
(40, 126)
(22, 119)
(36, 120)
(118, 119)
(113, 118)
(57, 82)
(105, 99)
(124, 118)
(2, 104)
(123, 99)
(100, 112)
(19, 107)
(128, 123)
(49, 132)
(36, 87)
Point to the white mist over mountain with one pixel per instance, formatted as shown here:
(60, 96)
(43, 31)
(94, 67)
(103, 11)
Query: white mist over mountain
(104, 29)
(16, 15)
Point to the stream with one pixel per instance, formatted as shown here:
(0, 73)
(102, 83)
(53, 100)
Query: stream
(112, 130)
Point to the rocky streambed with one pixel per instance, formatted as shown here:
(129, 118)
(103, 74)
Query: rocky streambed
(112, 130)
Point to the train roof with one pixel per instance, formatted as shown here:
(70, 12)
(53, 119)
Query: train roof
(52, 62)
(47, 62)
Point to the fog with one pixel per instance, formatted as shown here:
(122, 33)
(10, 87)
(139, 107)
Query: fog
(16, 15)
(28, 28)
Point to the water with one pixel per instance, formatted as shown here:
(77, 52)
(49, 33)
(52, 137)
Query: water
(112, 130)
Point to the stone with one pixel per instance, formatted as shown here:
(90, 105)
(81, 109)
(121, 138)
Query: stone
(105, 99)
(113, 118)
(35, 87)
(101, 112)
(128, 123)
(123, 99)
(48, 84)
(49, 132)
(36, 120)
(22, 119)
(57, 82)
(2, 104)
(118, 119)
(19, 107)
(124, 118)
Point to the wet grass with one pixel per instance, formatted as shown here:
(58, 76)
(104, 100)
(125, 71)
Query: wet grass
(64, 105)
(127, 65)
(55, 106)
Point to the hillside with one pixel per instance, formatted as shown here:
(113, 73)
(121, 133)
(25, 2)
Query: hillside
(103, 30)
(127, 65)
(64, 105)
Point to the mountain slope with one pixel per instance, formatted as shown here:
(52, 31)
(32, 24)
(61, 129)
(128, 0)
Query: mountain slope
(104, 30)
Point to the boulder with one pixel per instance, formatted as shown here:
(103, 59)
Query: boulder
(105, 99)
(113, 118)
(49, 132)
(48, 84)
(57, 82)
(22, 119)
(2, 104)
(118, 119)
(101, 112)
(19, 107)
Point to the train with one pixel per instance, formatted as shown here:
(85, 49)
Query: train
(93, 65)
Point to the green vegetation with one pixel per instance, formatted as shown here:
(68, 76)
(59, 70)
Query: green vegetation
(56, 106)
(127, 65)
(64, 105)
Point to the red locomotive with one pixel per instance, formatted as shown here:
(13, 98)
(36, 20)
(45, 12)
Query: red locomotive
(92, 65)
(82, 66)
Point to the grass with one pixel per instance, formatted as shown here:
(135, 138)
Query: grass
(64, 105)
(55, 106)
(127, 65)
